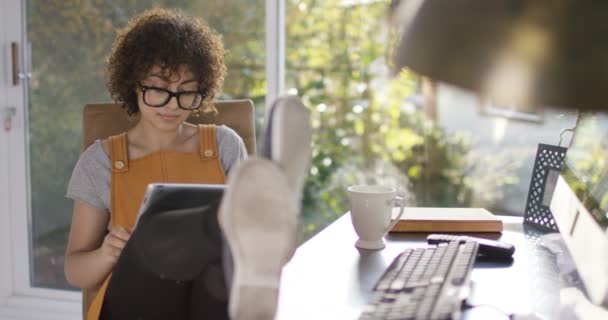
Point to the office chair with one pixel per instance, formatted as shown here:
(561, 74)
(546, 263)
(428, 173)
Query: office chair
(103, 120)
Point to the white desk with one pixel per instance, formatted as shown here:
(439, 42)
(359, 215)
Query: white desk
(329, 278)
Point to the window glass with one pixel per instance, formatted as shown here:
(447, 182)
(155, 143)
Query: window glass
(70, 43)
(366, 129)
(440, 146)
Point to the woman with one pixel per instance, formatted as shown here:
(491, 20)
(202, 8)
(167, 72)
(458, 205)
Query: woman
(163, 66)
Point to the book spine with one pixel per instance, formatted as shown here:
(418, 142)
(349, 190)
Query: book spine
(429, 226)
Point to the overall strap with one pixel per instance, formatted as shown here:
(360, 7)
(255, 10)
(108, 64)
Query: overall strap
(208, 145)
(119, 159)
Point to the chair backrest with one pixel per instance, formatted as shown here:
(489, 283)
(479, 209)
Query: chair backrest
(103, 120)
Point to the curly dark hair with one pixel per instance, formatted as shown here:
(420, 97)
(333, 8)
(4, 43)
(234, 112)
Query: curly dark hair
(167, 38)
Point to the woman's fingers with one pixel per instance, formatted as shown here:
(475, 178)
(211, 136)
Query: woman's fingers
(116, 240)
(120, 232)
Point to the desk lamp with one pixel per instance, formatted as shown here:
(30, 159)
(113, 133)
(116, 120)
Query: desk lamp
(517, 52)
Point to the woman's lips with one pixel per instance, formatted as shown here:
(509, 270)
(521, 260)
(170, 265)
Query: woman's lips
(168, 117)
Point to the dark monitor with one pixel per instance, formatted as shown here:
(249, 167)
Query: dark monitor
(580, 203)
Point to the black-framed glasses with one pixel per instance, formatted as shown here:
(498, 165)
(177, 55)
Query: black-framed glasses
(158, 97)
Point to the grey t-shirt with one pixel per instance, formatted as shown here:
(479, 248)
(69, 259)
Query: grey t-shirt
(90, 180)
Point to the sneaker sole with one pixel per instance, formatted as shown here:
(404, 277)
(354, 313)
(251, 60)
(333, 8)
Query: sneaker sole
(259, 221)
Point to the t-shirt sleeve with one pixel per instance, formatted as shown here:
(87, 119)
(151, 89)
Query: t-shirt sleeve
(230, 147)
(85, 184)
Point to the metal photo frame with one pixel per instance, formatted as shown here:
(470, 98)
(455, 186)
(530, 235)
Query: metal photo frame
(547, 165)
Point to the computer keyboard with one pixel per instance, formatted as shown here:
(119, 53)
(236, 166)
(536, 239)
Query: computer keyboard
(424, 283)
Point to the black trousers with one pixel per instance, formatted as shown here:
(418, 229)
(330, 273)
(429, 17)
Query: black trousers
(171, 268)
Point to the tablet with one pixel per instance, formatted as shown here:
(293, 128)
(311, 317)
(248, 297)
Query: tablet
(175, 196)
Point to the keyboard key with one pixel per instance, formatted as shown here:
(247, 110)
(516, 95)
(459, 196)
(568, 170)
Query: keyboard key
(392, 271)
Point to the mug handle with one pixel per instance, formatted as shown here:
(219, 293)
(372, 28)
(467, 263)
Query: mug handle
(394, 222)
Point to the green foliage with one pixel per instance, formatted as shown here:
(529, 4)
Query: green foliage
(336, 59)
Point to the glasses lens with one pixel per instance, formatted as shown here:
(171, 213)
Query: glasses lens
(155, 97)
(190, 100)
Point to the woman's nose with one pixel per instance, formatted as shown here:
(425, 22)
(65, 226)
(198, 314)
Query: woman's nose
(172, 103)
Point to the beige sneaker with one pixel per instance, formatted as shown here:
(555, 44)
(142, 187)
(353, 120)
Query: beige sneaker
(260, 209)
(259, 220)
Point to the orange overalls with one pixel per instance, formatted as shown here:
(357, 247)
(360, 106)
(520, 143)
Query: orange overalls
(129, 179)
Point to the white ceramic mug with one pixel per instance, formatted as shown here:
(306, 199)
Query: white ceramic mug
(371, 208)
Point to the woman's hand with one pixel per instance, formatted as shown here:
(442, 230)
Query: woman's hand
(114, 242)
(92, 251)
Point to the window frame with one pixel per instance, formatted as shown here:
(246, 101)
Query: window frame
(18, 298)
(487, 107)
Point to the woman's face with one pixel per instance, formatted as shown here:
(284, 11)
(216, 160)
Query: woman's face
(168, 117)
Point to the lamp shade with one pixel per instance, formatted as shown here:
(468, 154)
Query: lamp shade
(538, 53)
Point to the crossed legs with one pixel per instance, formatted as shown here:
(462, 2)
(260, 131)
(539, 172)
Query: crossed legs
(156, 278)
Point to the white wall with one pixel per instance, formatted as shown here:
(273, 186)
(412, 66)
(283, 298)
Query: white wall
(5, 235)
(18, 301)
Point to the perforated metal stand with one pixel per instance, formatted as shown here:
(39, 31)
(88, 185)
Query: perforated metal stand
(536, 214)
